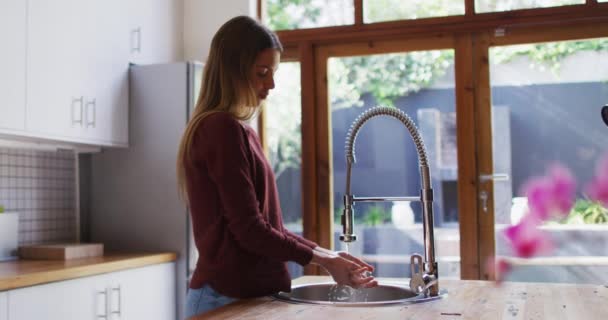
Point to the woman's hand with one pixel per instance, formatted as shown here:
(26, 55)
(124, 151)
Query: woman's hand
(344, 268)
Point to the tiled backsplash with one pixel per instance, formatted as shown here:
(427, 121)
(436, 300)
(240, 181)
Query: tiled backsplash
(40, 186)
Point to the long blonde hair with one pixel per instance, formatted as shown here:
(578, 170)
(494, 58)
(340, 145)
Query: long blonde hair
(226, 85)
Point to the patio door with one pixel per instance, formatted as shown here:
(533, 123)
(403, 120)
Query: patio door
(538, 105)
(419, 77)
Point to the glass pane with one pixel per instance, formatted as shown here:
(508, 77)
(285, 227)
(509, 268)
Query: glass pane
(283, 112)
(546, 101)
(422, 85)
(501, 5)
(301, 14)
(387, 10)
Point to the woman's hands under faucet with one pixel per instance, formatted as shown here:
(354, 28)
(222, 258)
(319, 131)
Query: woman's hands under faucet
(344, 268)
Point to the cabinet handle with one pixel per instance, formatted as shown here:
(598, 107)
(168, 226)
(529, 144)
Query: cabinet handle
(118, 312)
(136, 40)
(91, 120)
(105, 309)
(77, 120)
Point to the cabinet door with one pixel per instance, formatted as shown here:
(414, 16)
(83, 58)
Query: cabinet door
(78, 299)
(154, 38)
(12, 64)
(56, 67)
(3, 306)
(106, 96)
(144, 293)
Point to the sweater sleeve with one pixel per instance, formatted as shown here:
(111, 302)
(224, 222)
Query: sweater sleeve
(227, 154)
(300, 239)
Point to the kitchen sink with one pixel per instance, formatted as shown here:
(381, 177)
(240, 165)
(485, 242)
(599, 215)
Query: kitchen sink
(332, 294)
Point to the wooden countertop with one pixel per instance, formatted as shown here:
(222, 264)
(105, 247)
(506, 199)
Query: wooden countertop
(466, 300)
(23, 273)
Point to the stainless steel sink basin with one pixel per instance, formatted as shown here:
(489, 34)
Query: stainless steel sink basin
(331, 294)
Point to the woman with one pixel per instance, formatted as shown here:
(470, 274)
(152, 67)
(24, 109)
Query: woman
(230, 187)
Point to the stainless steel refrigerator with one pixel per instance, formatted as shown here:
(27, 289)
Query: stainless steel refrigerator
(133, 200)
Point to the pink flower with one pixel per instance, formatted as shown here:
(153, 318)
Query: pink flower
(597, 189)
(527, 239)
(553, 195)
(500, 267)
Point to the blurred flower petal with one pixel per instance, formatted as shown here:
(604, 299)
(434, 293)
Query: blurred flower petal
(597, 190)
(539, 196)
(503, 268)
(563, 190)
(551, 196)
(499, 267)
(527, 239)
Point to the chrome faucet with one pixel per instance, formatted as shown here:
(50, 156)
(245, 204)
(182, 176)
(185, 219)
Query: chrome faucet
(426, 280)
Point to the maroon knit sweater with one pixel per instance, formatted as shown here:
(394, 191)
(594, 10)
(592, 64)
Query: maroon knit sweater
(236, 216)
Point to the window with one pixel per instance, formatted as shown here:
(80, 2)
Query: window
(301, 14)
(365, 62)
(387, 10)
(545, 109)
(283, 115)
(421, 84)
(501, 5)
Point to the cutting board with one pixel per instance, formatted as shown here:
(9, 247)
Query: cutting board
(61, 251)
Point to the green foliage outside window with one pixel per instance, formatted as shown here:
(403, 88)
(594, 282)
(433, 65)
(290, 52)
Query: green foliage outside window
(587, 212)
(278, 17)
(376, 215)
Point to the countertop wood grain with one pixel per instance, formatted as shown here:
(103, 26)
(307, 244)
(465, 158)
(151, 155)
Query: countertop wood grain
(23, 273)
(466, 299)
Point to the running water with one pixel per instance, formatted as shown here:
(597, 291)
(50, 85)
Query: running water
(344, 293)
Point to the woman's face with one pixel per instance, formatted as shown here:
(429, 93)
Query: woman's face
(266, 64)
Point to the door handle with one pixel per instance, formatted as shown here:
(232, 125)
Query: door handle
(136, 40)
(78, 103)
(119, 311)
(484, 177)
(105, 306)
(91, 120)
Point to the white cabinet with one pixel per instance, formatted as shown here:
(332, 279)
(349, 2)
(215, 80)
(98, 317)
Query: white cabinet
(12, 64)
(83, 298)
(144, 293)
(140, 293)
(56, 66)
(156, 28)
(77, 74)
(107, 96)
(3, 306)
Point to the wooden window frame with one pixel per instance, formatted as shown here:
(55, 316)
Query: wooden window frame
(470, 35)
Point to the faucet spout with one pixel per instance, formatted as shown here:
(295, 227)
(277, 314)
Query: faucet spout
(425, 197)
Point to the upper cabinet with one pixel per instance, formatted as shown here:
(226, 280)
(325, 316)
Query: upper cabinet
(77, 71)
(156, 30)
(107, 96)
(12, 64)
(64, 64)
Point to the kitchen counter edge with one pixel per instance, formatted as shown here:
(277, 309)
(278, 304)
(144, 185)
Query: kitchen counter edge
(24, 273)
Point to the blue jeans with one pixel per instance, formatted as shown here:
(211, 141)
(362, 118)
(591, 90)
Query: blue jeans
(204, 299)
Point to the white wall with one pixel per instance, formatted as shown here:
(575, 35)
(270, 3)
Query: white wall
(202, 18)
